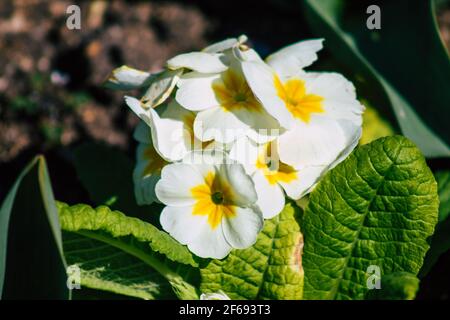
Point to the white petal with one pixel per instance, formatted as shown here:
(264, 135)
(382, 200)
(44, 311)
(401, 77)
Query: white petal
(316, 143)
(245, 152)
(161, 88)
(198, 61)
(242, 229)
(177, 181)
(210, 243)
(144, 183)
(260, 78)
(270, 196)
(240, 184)
(142, 133)
(289, 60)
(126, 78)
(218, 124)
(137, 107)
(195, 91)
(181, 224)
(172, 132)
(307, 178)
(339, 95)
(221, 45)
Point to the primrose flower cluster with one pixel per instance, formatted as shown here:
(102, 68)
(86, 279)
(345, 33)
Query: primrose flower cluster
(225, 136)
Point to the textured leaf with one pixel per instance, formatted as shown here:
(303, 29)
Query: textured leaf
(378, 207)
(270, 269)
(396, 286)
(32, 264)
(409, 34)
(135, 238)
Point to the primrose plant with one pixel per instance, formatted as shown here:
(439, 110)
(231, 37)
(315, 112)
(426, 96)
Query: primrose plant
(252, 169)
(269, 129)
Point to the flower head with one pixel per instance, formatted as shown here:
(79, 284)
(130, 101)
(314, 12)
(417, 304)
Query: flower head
(210, 205)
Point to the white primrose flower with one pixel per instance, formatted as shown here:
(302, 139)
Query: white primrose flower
(214, 296)
(171, 128)
(271, 176)
(319, 110)
(210, 204)
(227, 108)
(148, 167)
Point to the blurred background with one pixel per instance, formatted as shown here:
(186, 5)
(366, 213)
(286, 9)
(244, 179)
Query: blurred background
(51, 94)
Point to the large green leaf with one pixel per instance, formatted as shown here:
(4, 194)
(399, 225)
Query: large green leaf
(125, 255)
(270, 269)
(405, 62)
(378, 207)
(107, 174)
(32, 265)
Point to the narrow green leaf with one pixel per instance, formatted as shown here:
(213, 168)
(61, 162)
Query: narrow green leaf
(133, 241)
(378, 207)
(28, 215)
(396, 286)
(270, 269)
(440, 242)
(409, 33)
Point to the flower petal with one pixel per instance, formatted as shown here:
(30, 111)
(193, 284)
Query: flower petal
(307, 178)
(289, 60)
(339, 95)
(241, 230)
(226, 44)
(198, 61)
(177, 181)
(260, 78)
(218, 124)
(161, 88)
(126, 78)
(195, 91)
(245, 152)
(181, 224)
(270, 196)
(144, 181)
(316, 143)
(240, 186)
(138, 108)
(172, 131)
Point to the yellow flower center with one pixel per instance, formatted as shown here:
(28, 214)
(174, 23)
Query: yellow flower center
(273, 169)
(233, 93)
(212, 200)
(154, 161)
(299, 103)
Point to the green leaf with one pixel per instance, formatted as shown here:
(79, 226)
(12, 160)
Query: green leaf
(32, 264)
(440, 242)
(443, 181)
(396, 286)
(378, 207)
(107, 174)
(111, 249)
(270, 269)
(410, 37)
